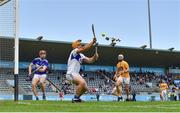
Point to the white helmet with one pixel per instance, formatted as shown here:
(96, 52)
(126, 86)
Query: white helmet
(120, 57)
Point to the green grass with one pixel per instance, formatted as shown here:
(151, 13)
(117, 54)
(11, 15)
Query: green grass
(67, 106)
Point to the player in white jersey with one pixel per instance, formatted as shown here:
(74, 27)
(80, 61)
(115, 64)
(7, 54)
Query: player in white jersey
(75, 60)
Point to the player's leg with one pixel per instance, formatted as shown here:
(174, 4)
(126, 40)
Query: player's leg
(164, 95)
(127, 80)
(35, 81)
(81, 86)
(161, 95)
(119, 88)
(43, 85)
(127, 91)
(114, 91)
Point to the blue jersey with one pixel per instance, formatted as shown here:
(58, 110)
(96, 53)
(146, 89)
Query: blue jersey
(39, 62)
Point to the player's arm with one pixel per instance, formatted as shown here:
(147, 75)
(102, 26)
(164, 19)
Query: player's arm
(91, 59)
(167, 86)
(115, 76)
(30, 68)
(31, 64)
(159, 85)
(44, 67)
(117, 72)
(87, 46)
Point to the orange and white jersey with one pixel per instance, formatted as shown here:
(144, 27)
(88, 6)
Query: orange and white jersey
(122, 66)
(163, 86)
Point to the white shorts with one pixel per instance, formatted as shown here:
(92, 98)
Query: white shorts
(37, 76)
(124, 80)
(164, 93)
(70, 77)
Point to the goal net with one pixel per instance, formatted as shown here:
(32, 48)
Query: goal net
(9, 46)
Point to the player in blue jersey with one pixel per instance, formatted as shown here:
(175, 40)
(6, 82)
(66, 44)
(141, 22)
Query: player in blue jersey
(39, 64)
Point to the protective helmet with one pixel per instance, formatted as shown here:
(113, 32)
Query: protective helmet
(120, 57)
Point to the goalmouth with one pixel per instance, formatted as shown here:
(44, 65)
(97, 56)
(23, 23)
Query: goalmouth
(9, 23)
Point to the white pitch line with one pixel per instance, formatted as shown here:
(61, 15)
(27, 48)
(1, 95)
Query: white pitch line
(105, 106)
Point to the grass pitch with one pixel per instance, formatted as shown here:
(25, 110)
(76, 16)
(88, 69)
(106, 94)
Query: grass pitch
(67, 106)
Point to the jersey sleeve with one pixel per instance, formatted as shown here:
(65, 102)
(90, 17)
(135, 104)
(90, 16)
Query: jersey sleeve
(34, 61)
(83, 56)
(118, 65)
(75, 52)
(46, 63)
(126, 65)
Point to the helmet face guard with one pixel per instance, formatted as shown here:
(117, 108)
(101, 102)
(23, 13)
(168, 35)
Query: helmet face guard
(120, 57)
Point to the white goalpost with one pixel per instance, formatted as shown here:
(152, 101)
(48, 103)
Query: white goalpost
(16, 49)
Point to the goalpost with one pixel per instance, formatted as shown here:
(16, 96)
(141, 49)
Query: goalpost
(9, 25)
(16, 53)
